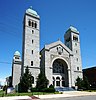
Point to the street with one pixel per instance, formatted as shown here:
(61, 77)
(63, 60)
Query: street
(92, 97)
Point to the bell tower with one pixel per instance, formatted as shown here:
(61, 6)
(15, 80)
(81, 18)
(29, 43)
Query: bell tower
(31, 43)
(72, 41)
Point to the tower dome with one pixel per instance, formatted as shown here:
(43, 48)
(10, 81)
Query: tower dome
(73, 29)
(17, 53)
(31, 11)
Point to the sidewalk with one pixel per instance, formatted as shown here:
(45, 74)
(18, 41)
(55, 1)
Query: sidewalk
(65, 94)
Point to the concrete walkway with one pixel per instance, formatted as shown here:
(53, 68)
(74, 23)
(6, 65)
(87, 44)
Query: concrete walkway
(65, 94)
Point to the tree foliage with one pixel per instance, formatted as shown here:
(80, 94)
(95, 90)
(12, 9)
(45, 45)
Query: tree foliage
(26, 81)
(79, 82)
(86, 84)
(42, 81)
(82, 83)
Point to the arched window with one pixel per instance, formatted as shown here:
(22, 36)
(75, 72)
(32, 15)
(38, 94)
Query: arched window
(62, 78)
(58, 67)
(32, 31)
(32, 24)
(57, 81)
(35, 25)
(75, 38)
(29, 23)
(53, 78)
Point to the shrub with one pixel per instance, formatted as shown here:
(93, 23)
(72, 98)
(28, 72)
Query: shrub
(49, 90)
(51, 86)
(34, 90)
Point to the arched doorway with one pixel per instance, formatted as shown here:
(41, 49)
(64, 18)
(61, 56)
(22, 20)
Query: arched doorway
(60, 73)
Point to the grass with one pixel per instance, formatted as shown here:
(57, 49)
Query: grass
(91, 90)
(2, 94)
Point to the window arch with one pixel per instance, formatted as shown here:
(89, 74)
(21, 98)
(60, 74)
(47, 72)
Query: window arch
(57, 78)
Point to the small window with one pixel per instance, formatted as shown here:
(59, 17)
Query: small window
(57, 48)
(75, 38)
(62, 78)
(77, 68)
(16, 57)
(32, 31)
(77, 59)
(75, 44)
(32, 41)
(53, 78)
(62, 49)
(31, 63)
(32, 51)
(76, 51)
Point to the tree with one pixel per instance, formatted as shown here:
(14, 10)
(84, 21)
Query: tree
(10, 81)
(42, 81)
(82, 84)
(79, 82)
(86, 84)
(26, 81)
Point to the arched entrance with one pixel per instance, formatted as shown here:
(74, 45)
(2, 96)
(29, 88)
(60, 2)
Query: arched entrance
(60, 73)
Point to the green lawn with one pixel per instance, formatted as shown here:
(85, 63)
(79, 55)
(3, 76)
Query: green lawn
(2, 94)
(91, 90)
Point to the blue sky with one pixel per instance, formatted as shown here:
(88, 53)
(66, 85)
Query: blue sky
(56, 16)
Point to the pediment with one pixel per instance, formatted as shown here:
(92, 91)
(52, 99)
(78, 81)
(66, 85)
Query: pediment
(60, 46)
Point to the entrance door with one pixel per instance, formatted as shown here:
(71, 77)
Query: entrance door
(60, 73)
(57, 81)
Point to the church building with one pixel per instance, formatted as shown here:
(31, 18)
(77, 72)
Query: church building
(61, 62)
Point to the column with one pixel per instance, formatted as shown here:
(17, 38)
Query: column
(69, 77)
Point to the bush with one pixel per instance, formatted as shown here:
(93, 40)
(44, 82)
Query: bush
(51, 86)
(50, 90)
(34, 90)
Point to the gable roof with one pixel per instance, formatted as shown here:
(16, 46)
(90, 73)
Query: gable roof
(54, 44)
